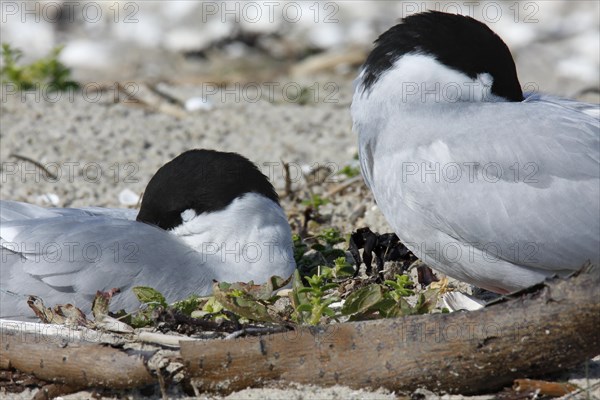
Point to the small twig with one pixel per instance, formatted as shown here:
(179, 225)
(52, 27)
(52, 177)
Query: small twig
(162, 385)
(54, 331)
(161, 338)
(260, 330)
(154, 103)
(308, 216)
(235, 334)
(36, 163)
(288, 180)
(139, 202)
(167, 97)
(344, 185)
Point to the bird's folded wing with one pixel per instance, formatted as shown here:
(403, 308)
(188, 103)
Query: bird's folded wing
(84, 253)
(520, 178)
(14, 210)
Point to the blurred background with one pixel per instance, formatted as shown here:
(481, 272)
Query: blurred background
(554, 42)
(271, 80)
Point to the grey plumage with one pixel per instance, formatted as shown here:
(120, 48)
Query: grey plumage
(497, 193)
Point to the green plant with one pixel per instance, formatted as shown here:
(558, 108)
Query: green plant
(349, 171)
(306, 96)
(300, 248)
(246, 300)
(401, 287)
(152, 299)
(325, 242)
(331, 236)
(342, 268)
(315, 202)
(210, 307)
(189, 305)
(48, 71)
(313, 302)
(324, 253)
(389, 300)
(250, 301)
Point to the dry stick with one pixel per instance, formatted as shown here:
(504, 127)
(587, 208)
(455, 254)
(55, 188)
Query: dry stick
(153, 102)
(344, 185)
(36, 163)
(288, 180)
(54, 332)
(548, 330)
(81, 365)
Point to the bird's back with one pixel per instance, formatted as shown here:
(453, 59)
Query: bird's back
(66, 255)
(518, 181)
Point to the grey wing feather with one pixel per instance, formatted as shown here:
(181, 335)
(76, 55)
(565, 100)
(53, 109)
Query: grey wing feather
(553, 205)
(14, 210)
(76, 255)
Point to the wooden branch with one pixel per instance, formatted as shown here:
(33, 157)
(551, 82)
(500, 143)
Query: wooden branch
(80, 365)
(538, 332)
(79, 358)
(55, 332)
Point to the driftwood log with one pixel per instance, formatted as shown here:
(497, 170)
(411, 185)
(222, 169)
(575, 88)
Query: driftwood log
(548, 328)
(81, 365)
(539, 331)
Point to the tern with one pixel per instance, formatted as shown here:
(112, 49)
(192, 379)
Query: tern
(205, 215)
(484, 183)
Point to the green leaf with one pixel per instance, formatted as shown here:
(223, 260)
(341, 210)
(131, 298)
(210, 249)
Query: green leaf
(47, 71)
(331, 236)
(148, 295)
(364, 299)
(242, 303)
(404, 307)
(266, 290)
(349, 171)
(427, 301)
(298, 296)
(304, 307)
(330, 300)
(390, 308)
(313, 280)
(260, 292)
(212, 306)
(329, 312)
(315, 201)
(401, 286)
(329, 286)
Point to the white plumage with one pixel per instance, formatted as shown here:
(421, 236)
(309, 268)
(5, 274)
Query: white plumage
(493, 192)
(66, 255)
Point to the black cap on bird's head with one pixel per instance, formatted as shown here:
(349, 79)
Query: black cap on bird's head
(203, 181)
(459, 42)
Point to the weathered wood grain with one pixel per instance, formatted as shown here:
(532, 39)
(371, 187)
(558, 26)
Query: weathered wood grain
(547, 330)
